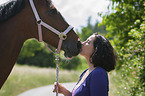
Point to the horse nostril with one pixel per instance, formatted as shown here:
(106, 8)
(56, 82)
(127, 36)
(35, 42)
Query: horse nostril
(79, 45)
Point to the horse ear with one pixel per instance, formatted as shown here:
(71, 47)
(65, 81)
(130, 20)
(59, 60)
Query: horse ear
(48, 2)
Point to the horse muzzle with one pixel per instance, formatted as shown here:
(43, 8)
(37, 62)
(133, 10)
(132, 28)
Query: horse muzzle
(72, 50)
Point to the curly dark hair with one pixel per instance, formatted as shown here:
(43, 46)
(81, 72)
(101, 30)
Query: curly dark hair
(104, 55)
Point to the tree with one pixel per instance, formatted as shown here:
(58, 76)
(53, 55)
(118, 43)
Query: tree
(123, 19)
(90, 29)
(126, 26)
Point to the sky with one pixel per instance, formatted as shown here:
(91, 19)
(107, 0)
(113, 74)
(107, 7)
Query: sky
(76, 12)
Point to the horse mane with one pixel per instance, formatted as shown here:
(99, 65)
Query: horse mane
(11, 8)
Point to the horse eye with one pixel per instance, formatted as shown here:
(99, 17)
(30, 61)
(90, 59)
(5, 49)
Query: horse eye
(53, 11)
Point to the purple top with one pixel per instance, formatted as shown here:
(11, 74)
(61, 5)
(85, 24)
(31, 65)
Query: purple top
(96, 84)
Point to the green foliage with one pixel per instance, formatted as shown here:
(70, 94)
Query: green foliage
(35, 53)
(70, 64)
(126, 26)
(131, 60)
(123, 19)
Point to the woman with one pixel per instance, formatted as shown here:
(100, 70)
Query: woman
(101, 59)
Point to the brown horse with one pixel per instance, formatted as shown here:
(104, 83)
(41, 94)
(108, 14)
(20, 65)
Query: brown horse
(17, 24)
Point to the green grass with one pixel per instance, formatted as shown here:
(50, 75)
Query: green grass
(23, 78)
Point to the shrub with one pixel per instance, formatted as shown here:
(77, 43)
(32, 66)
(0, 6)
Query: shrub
(35, 53)
(132, 64)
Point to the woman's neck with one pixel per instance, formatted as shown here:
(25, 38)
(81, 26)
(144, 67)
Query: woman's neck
(90, 65)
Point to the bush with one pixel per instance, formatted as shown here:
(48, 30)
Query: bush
(70, 64)
(35, 53)
(125, 24)
(132, 64)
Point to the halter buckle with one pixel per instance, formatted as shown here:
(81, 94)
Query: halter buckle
(63, 36)
(39, 21)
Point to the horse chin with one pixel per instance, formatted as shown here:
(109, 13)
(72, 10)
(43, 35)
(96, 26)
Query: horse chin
(68, 56)
(71, 51)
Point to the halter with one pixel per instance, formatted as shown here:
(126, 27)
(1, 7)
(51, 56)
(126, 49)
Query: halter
(62, 36)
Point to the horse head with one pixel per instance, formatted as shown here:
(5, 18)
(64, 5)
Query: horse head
(50, 15)
(18, 23)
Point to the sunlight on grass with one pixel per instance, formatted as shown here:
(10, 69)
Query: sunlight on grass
(23, 78)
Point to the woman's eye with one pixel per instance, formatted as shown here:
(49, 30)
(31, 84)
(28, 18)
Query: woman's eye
(88, 41)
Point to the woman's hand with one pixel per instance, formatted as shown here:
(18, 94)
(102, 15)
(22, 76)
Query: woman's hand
(61, 89)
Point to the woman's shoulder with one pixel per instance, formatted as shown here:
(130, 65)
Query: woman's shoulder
(99, 71)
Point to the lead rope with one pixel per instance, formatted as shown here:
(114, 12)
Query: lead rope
(57, 71)
(62, 36)
(57, 56)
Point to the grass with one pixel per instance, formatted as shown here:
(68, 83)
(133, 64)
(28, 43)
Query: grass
(23, 78)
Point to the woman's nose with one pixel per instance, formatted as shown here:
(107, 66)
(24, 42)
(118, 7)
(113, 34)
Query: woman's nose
(83, 43)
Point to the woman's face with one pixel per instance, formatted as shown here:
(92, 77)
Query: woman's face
(87, 46)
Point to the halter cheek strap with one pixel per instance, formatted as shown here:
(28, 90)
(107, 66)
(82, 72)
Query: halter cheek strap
(62, 35)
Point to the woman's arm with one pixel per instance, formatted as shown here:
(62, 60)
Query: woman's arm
(62, 90)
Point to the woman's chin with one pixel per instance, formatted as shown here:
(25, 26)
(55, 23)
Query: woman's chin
(81, 53)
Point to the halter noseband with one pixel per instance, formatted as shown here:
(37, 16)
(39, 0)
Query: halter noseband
(62, 35)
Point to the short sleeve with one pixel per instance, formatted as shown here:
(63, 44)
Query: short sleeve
(99, 84)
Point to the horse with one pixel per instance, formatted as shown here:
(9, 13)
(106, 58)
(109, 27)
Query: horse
(18, 23)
